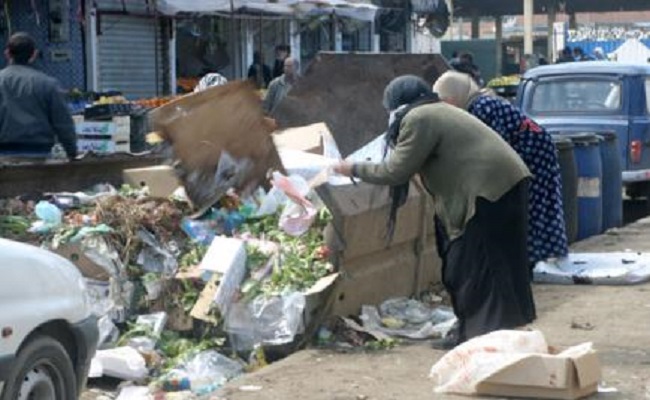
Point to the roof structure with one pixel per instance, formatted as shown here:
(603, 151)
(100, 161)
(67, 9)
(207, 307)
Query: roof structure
(515, 7)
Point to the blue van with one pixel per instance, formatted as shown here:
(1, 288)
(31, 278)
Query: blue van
(599, 96)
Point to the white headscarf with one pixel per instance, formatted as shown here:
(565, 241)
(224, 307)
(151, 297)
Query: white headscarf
(457, 87)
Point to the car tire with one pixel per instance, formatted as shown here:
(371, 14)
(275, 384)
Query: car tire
(43, 368)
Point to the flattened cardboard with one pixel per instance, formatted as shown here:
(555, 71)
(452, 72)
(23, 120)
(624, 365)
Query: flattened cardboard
(546, 376)
(161, 179)
(227, 118)
(306, 138)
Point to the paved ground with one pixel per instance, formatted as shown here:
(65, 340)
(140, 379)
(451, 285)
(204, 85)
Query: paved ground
(620, 316)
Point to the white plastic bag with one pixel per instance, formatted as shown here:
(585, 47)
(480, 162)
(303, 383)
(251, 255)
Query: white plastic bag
(460, 370)
(122, 363)
(299, 213)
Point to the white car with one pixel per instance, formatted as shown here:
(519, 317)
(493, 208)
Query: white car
(48, 334)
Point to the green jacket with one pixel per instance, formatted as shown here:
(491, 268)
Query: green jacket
(458, 158)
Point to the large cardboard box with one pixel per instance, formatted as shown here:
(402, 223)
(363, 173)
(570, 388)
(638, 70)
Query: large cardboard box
(393, 272)
(161, 179)
(573, 374)
(360, 215)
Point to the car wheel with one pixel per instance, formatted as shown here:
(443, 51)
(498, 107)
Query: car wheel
(43, 371)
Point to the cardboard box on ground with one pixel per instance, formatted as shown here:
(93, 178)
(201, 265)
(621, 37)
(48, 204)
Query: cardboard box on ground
(547, 376)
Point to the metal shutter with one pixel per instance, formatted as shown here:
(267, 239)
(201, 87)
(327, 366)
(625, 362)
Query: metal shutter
(126, 52)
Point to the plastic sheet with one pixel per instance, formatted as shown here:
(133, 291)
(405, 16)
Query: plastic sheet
(624, 268)
(408, 318)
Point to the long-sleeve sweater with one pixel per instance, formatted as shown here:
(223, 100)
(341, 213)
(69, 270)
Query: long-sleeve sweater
(457, 157)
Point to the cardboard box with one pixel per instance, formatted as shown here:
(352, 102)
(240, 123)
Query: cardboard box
(88, 268)
(393, 272)
(360, 214)
(306, 138)
(572, 374)
(161, 179)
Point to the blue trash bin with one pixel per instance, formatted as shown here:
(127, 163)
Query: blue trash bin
(590, 178)
(569, 175)
(612, 184)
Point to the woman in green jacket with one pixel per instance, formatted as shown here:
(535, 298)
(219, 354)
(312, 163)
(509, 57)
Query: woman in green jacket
(480, 190)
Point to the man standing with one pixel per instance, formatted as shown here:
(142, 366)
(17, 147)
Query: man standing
(33, 113)
(280, 86)
(281, 54)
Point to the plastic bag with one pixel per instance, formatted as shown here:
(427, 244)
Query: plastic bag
(207, 371)
(50, 217)
(108, 332)
(270, 321)
(155, 257)
(299, 213)
(460, 370)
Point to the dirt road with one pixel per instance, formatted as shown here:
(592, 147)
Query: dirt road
(620, 317)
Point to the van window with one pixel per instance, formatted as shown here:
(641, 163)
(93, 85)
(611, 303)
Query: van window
(647, 94)
(585, 95)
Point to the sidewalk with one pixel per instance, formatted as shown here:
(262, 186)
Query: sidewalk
(620, 317)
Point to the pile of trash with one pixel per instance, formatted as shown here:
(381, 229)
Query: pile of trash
(175, 293)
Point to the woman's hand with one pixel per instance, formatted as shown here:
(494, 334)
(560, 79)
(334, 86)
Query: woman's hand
(343, 168)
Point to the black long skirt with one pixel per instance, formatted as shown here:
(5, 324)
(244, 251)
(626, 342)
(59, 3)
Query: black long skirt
(486, 271)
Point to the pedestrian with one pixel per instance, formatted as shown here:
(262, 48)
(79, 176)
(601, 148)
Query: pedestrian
(33, 111)
(259, 73)
(479, 186)
(546, 228)
(281, 53)
(579, 55)
(280, 87)
(465, 63)
(566, 56)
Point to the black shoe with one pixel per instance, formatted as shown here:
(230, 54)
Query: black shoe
(446, 343)
(451, 340)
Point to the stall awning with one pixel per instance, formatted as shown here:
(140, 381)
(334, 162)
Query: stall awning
(355, 9)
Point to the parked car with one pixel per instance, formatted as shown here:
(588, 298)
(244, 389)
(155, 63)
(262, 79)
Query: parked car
(47, 332)
(597, 96)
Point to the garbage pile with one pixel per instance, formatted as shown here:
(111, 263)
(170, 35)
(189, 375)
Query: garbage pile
(175, 294)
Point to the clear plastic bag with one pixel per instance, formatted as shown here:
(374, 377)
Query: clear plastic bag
(272, 320)
(207, 371)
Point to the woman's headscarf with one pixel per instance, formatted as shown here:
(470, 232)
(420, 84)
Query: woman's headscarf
(457, 87)
(401, 96)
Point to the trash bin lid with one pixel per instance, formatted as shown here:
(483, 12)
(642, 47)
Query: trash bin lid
(562, 142)
(584, 139)
(608, 136)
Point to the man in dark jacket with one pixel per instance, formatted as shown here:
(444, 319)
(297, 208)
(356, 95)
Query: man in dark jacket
(33, 112)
